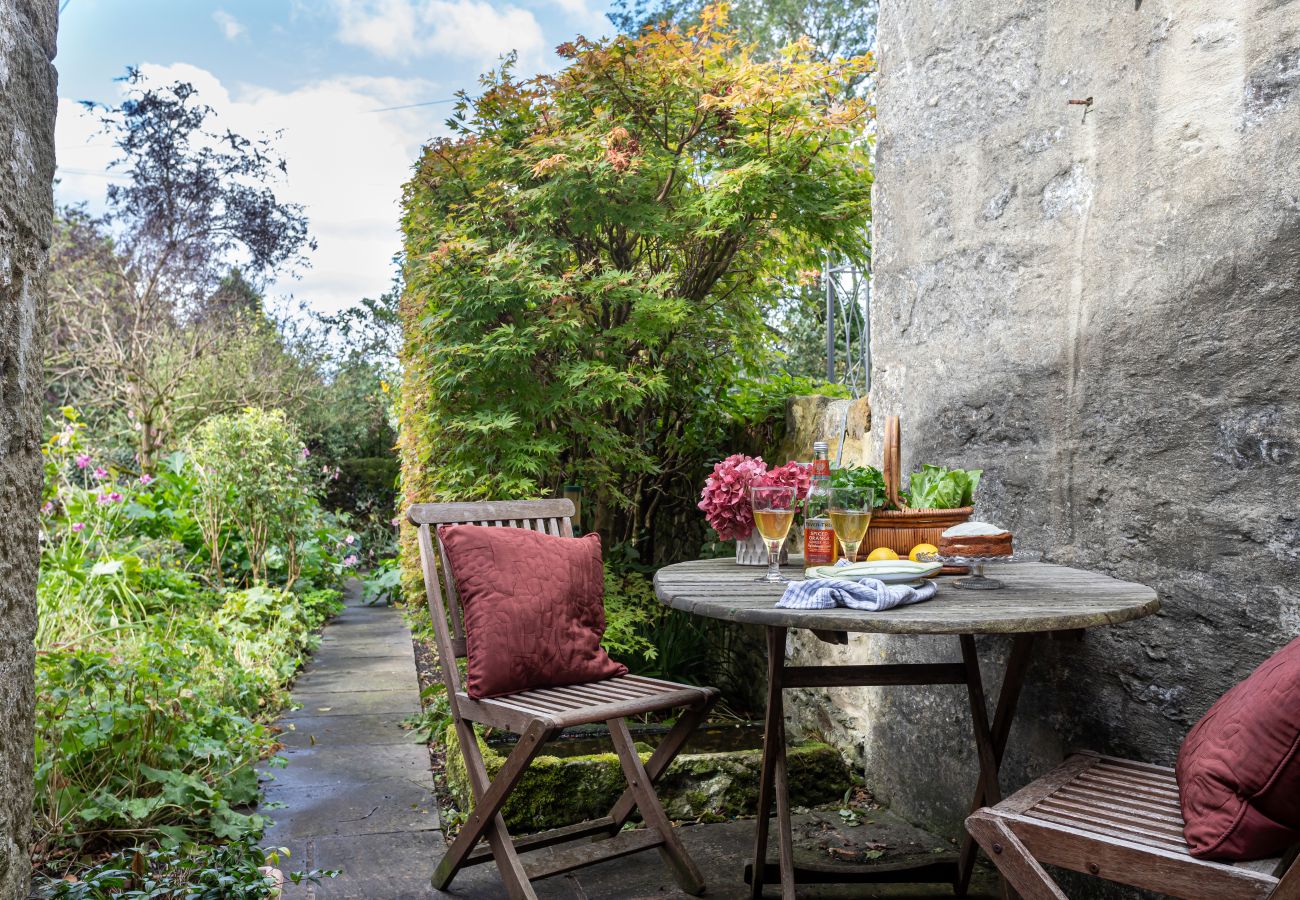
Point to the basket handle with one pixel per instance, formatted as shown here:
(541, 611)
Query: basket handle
(891, 462)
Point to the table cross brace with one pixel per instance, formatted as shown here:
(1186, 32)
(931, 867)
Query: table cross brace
(990, 741)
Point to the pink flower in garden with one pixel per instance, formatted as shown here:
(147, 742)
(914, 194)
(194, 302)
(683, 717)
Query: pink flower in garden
(83, 460)
(146, 479)
(725, 498)
(102, 499)
(336, 473)
(78, 526)
(350, 560)
(100, 473)
(793, 474)
(48, 507)
(350, 539)
(115, 497)
(305, 453)
(397, 520)
(324, 470)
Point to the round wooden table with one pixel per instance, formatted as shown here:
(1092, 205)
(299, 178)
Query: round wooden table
(1037, 598)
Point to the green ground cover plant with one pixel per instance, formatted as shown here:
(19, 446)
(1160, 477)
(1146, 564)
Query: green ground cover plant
(157, 676)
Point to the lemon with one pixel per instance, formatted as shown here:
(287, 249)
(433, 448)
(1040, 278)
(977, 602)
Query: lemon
(923, 550)
(880, 554)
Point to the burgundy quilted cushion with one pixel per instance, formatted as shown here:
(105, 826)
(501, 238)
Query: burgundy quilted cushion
(1239, 768)
(534, 608)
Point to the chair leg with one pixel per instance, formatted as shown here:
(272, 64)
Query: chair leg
(1014, 861)
(663, 757)
(486, 816)
(685, 872)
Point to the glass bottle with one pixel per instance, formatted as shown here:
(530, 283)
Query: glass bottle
(819, 545)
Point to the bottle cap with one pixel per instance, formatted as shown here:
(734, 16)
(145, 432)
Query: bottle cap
(820, 445)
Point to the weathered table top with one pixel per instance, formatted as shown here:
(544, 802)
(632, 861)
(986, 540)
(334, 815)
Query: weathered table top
(1036, 597)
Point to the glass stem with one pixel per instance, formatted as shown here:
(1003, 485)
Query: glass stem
(774, 560)
(850, 550)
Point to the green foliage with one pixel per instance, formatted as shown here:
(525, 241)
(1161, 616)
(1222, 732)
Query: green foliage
(382, 583)
(837, 28)
(153, 686)
(591, 256)
(231, 871)
(861, 477)
(254, 478)
(936, 487)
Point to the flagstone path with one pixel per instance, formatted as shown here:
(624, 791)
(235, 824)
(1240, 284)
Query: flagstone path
(357, 795)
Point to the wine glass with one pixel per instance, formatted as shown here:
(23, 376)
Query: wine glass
(851, 516)
(773, 512)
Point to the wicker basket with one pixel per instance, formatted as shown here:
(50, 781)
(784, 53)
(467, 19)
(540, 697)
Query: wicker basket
(901, 530)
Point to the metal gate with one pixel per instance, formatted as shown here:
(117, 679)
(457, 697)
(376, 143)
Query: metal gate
(848, 325)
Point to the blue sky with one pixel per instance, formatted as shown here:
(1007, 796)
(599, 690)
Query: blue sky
(321, 71)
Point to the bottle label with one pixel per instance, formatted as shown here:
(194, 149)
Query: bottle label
(819, 543)
(821, 468)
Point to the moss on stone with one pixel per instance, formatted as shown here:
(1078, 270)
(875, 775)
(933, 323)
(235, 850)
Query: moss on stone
(706, 786)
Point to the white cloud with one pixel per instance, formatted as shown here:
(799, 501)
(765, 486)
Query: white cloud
(346, 162)
(468, 29)
(230, 26)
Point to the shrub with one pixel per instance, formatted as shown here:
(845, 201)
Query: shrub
(254, 472)
(591, 256)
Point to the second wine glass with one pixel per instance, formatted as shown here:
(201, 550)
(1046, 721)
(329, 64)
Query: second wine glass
(850, 515)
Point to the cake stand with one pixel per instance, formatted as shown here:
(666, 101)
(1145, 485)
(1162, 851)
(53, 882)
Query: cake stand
(977, 580)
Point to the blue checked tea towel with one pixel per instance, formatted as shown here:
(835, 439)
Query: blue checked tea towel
(868, 594)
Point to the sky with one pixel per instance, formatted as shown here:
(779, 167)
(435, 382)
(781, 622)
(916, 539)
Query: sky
(354, 85)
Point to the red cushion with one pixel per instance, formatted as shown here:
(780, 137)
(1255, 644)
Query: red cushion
(534, 607)
(1239, 768)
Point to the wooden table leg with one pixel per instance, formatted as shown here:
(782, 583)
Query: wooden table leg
(773, 778)
(992, 741)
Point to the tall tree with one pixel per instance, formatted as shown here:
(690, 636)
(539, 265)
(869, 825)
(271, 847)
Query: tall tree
(590, 258)
(130, 290)
(838, 29)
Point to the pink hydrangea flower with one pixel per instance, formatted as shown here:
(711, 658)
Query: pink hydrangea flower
(146, 479)
(83, 460)
(78, 526)
(793, 474)
(725, 498)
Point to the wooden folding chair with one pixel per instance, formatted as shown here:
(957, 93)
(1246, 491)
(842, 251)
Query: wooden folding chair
(539, 715)
(1121, 821)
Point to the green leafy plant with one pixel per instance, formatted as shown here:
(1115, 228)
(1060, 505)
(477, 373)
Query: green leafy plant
(861, 477)
(936, 487)
(237, 870)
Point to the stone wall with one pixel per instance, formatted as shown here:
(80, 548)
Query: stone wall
(27, 106)
(1100, 306)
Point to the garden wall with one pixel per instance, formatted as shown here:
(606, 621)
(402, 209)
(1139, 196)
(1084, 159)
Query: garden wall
(1100, 306)
(27, 104)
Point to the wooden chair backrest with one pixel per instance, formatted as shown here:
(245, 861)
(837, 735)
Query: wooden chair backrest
(545, 516)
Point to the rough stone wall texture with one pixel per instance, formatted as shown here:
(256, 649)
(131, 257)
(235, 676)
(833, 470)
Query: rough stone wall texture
(1102, 310)
(27, 105)
(810, 418)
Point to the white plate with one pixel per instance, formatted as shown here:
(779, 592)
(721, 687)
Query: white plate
(857, 573)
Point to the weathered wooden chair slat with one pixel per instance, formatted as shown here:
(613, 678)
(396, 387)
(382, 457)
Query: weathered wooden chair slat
(540, 714)
(1119, 820)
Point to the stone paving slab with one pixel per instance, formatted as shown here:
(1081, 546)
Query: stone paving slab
(328, 763)
(371, 806)
(357, 703)
(301, 729)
